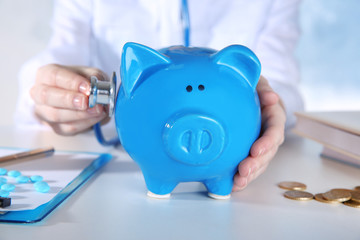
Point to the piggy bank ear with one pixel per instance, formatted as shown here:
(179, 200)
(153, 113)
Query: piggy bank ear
(242, 60)
(138, 62)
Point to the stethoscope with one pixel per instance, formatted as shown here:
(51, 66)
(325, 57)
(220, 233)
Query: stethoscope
(104, 92)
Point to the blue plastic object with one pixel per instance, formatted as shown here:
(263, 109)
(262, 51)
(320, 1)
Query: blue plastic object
(3, 171)
(42, 187)
(4, 193)
(22, 179)
(36, 178)
(8, 187)
(14, 173)
(2, 181)
(188, 114)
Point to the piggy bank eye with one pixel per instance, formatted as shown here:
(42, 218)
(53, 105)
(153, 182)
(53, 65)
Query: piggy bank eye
(201, 87)
(189, 88)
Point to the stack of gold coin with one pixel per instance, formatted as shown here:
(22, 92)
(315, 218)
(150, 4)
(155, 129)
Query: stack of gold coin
(348, 197)
(337, 195)
(319, 197)
(355, 198)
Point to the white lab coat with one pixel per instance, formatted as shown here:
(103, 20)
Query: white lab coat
(92, 33)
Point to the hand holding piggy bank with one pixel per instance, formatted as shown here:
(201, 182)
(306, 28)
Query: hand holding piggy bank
(188, 114)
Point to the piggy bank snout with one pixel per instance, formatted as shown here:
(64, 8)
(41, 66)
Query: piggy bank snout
(194, 139)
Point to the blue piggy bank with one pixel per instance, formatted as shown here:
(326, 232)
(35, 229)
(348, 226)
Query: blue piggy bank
(188, 114)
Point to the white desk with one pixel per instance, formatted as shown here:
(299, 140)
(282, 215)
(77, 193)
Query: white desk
(258, 212)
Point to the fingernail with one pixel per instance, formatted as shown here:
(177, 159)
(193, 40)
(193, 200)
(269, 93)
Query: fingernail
(248, 173)
(261, 151)
(84, 88)
(78, 103)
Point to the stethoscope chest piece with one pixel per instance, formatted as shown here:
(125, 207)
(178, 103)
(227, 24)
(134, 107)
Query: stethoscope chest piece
(103, 92)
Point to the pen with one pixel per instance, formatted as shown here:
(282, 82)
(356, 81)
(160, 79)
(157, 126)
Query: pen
(27, 155)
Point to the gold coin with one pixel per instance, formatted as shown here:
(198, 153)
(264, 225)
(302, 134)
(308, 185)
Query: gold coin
(319, 197)
(357, 188)
(292, 186)
(355, 196)
(342, 189)
(298, 195)
(340, 195)
(352, 203)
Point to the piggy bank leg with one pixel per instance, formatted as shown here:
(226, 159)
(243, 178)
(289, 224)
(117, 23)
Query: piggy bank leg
(158, 196)
(159, 188)
(220, 188)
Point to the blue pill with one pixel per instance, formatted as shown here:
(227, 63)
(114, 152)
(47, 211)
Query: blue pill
(4, 193)
(36, 178)
(8, 187)
(3, 171)
(42, 187)
(22, 179)
(13, 173)
(3, 180)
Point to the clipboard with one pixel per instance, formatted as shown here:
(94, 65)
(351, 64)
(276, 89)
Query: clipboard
(39, 213)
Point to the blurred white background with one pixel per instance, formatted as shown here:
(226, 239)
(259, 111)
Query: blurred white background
(328, 51)
(24, 30)
(329, 54)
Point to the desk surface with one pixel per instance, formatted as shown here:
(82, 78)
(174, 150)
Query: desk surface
(258, 212)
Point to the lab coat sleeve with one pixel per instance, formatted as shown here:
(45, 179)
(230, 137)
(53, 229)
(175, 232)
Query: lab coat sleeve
(275, 47)
(68, 45)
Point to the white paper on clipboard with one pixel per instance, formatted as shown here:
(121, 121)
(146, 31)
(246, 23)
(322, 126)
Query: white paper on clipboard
(57, 170)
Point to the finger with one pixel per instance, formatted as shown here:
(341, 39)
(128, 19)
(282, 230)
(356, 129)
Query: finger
(274, 119)
(63, 77)
(266, 94)
(268, 98)
(251, 164)
(59, 98)
(265, 143)
(251, 168)
(72, 128)
(87, 72)
(274, 114)
(248, 166)
(263, 85)
(58, 115)
(257, 173)
(273, 124)
(272, 137)
(239, 183)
